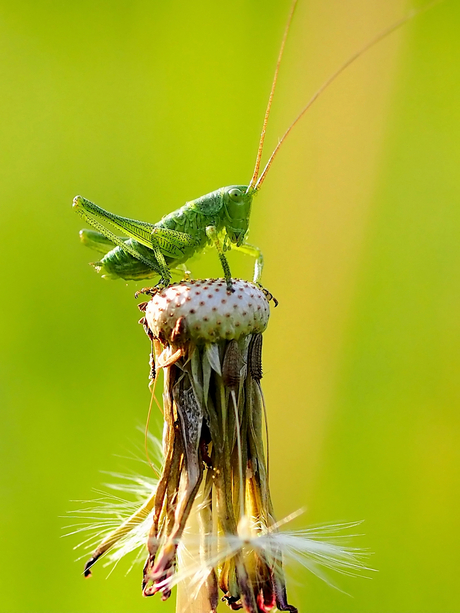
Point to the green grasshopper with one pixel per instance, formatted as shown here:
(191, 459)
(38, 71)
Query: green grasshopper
(220, 218)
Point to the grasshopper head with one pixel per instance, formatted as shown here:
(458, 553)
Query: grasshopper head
(237, 208)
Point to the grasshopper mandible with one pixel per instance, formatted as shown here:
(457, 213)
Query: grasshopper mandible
(220, 218)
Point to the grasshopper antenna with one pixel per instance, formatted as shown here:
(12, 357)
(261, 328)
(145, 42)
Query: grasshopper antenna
(252, 184)
(256, 183)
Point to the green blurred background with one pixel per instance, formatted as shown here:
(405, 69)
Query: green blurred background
(140, 106)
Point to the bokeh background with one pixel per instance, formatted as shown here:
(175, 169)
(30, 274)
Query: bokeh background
(141, 106)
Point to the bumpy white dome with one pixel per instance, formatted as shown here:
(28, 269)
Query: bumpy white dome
(210, 312)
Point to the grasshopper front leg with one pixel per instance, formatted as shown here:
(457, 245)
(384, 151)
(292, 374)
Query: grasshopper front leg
(256, 253)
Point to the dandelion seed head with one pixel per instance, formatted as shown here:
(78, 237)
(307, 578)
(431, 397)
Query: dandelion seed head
(207, 525)
(206, 319)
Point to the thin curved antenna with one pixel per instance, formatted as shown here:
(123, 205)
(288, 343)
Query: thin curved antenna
(270, 98)
(383, 34)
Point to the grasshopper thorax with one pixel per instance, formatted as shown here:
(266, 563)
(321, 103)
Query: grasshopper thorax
(237, 200)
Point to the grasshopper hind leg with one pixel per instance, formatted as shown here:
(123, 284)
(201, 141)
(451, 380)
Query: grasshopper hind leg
(171, 245)
(117, 261)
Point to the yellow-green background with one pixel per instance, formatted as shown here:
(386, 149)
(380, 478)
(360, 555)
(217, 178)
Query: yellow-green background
(141, 106)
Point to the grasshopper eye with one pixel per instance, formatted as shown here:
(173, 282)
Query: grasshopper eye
(235, 194)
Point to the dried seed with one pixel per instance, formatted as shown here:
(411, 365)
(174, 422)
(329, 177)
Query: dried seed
(231, 366)
(255, 357)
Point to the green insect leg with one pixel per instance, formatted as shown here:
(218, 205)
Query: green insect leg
(164, 270)
(97, 241)
(172, 244)
(117, 262)
(183, 271)
(211, 233)
(256, 253)
(91, 213)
